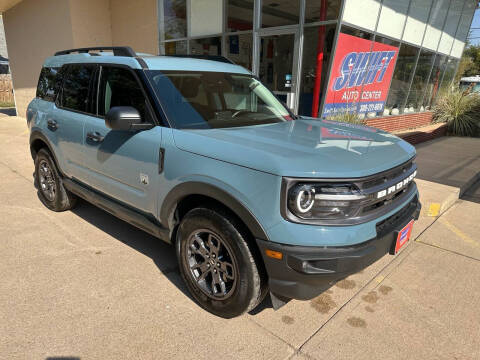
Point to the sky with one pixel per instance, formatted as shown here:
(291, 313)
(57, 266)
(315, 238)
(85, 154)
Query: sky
(475, 31)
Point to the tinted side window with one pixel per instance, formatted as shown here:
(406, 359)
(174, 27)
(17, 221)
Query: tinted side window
(47, 84)
(118, 87)
(76, 87)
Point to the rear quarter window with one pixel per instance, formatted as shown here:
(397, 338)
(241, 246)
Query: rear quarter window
(47, 88)
(76, 87)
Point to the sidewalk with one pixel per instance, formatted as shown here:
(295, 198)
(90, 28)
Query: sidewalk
(452, 161)
(85, 284)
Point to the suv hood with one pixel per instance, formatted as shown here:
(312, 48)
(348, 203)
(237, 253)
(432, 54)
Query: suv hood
(301, 148)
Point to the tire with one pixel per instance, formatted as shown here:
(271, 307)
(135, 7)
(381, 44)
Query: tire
(221, 237)
(47, 178)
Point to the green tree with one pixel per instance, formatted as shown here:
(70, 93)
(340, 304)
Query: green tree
(470, 62)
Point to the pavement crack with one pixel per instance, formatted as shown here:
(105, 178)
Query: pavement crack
(448, 250)
(273, 334)
(15, 172)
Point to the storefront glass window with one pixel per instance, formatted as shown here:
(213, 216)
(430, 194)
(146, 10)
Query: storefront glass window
(433, 85)
(362, 13)
(321, 10)
(314, 71)
(401, 79)
(239, 49)
(435, 24)
(463, 28)
(279, 13)
(239, 15)
(357, 32)
(417, 91)
(176, 48)
(209, 46)
(450, 67)
(451, 25)
(175, 18)
(206, 17)
(276, 62)
(416, 20)
(392, 17)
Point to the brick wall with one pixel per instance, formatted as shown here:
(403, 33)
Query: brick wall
(417, 137)
(401, 122)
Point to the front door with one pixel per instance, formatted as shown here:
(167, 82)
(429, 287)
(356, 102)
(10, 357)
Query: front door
(278, 65)
(123, 164)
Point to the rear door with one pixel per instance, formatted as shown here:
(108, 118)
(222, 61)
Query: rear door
(123, 164)
(67, 119)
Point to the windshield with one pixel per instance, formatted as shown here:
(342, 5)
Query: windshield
(208, 100)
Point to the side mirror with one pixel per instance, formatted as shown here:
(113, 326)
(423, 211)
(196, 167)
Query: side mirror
(125, 118)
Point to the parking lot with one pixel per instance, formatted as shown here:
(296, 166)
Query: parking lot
(85, 285)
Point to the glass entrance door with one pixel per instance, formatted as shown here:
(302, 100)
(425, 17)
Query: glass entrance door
(277, 65)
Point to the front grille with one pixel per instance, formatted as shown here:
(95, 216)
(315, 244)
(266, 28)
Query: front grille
(387, 225)
(388, 175)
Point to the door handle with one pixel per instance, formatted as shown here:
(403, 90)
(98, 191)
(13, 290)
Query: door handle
(95, 137)
(52, 124)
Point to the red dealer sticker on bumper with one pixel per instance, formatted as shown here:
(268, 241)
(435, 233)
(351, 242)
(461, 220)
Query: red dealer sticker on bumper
(403, 236)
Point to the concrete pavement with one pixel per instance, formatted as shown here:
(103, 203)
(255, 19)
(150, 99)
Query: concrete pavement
(84, 284)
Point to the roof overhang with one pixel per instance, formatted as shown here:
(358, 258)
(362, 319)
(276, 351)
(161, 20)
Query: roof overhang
(7, 4)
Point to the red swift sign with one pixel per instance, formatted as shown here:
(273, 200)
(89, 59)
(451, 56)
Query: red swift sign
(360, 77)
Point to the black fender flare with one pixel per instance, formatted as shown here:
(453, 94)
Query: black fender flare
(183, 190)
(37, 135)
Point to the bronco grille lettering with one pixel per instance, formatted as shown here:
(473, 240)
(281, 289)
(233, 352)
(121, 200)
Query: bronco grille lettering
(395, 188)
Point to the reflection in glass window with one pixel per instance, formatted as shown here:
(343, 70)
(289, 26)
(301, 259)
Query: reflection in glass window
(321, 10)
(239, 15)
(401, 79)
(316, 57)
(433, 85)
(176, 48)
(175, 18)
(208, 46)
(417, 91)
(239, 49)
(278, 13)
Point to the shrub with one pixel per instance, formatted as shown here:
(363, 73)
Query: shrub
(460, 111)
(348, 117)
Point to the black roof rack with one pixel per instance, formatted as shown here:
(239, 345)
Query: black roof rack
(117, 50)
(208, 57)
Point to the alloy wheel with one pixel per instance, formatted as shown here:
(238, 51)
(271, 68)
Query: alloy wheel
(212, 265)
(48, 185)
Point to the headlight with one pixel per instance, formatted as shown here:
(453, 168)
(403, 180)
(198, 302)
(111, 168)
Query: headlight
(322, 201)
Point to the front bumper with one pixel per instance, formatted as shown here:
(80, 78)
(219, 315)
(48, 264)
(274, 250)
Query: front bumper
(306, 271)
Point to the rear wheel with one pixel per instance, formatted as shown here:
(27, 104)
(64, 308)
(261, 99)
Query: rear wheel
(216, 263)
(51, 191)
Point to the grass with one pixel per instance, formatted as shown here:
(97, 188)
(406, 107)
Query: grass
(460, 110)
(6, 104)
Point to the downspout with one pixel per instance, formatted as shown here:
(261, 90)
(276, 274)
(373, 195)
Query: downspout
(320, 48)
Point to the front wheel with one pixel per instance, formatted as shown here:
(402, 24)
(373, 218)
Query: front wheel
(51, 191)
(217, 265)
